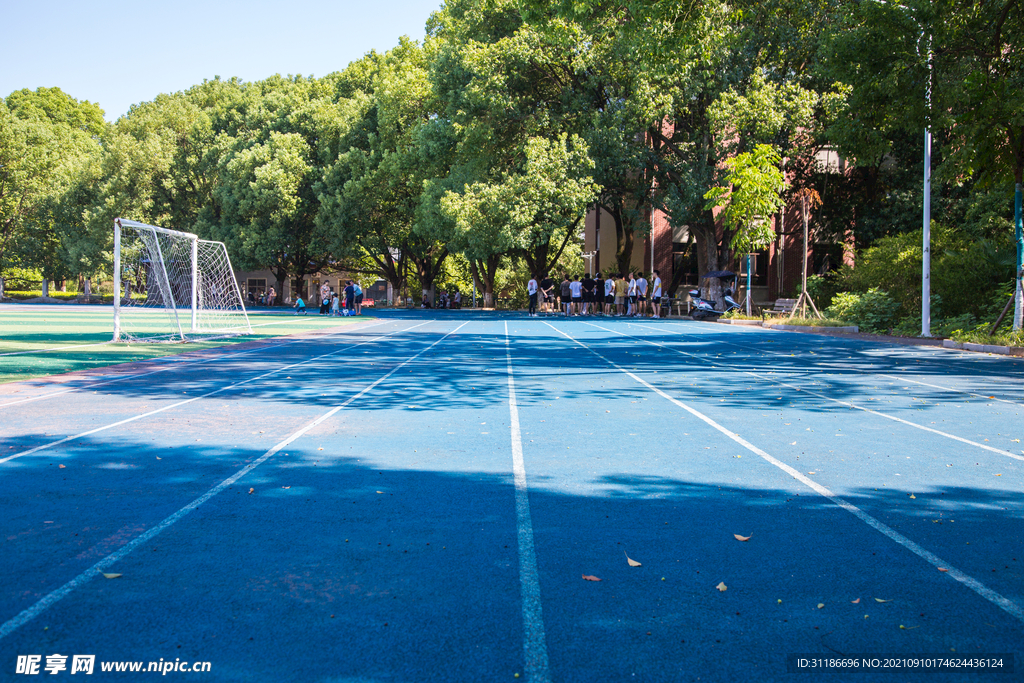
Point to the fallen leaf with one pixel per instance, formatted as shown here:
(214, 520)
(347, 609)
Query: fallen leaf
(855, 601)
(912, 495)
(159, 458)
(943, 569)
(881, 600)
(251, 490)
(780, 602)
(380, 492)
(111, 576)
(60, 466)
(722, 587)
(632, 563)
(587, 577)
(286, 487)
(741, 538)
(320, 449)
(821, 605)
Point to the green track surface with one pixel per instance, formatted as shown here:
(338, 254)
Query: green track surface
(67, 338)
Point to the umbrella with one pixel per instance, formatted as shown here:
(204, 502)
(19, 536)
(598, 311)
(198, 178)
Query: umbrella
(721, 273)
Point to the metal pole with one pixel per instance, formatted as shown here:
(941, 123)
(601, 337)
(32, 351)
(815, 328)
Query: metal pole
(926, 254)
(117, 279)
(1018, 307)
(195, 282)
(803, 286)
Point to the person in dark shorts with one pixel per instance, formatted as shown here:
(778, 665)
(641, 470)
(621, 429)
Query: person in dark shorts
(598, 305)
(588, 285)
(566, 292)
(531, 291)
(350, 296)
(547, 290)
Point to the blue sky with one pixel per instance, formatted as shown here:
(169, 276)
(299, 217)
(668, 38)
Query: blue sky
(117, 54)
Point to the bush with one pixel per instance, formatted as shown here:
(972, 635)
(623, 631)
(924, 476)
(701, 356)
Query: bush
(873, 311)
(823, 288)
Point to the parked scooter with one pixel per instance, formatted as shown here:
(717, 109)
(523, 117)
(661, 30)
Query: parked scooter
(704, 309)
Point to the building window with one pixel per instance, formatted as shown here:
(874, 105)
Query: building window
(760, 269)
(256, 286)
(684, 264)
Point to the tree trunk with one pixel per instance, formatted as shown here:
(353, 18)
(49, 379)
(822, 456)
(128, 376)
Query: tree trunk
(1, 288)
(487, 271)
(707, 251)
(46, 288)
(282, 277)
(88, 289)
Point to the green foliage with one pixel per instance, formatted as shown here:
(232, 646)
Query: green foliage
(751, 196)
(872, 311)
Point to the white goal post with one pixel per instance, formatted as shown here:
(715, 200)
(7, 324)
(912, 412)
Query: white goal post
(172, 286)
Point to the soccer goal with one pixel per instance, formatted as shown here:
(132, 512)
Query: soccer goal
(173, 286)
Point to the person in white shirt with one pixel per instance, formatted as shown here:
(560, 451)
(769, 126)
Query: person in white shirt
(656, 295)
(576, 289)
(609, 294)
(631, 294)
(531, 289)
(641, 295)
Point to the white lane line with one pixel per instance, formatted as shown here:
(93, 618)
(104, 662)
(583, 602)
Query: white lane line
(951, 389)
(535, 651)
(981, 589)
(187, 363)
(55, 348)
(853, 406)
(197, 398)
(53, 597)
(862, 371)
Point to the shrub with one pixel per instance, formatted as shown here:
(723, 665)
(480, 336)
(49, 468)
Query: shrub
(873, 311)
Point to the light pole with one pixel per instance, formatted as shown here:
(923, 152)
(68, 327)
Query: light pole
(926, 254)
(589, 255)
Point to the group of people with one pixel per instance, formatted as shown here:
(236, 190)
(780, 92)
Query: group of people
(452, 299)
(261, 298)
(616, 295)
(332, 304)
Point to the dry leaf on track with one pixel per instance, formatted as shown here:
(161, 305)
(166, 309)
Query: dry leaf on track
(742, 538)
(881, 600)
(722, 587)
(632, 563)
(943, 569)
(855, 601)
(111, 576)
(251, 490)
(286, 487)
(587, 577)
(821, 605)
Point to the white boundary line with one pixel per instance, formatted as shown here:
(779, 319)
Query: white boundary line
(55, 596)
(1008, 606)
(853, 406)
(858, 370)
(196, 398)
(186, 363)
(535, 652)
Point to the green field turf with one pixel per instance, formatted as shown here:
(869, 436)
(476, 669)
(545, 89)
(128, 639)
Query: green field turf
(36, 341)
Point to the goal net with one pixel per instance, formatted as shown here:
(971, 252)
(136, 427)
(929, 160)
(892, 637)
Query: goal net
(173, 286)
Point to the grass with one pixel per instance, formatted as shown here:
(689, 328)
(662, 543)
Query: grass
(809, 322)
(1002, 337)
(32, 332)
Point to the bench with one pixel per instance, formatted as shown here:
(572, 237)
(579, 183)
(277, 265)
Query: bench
(780, 308)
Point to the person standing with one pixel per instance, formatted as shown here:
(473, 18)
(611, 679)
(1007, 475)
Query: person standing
(271, 297)
(531, 291)
(547, 290)
(620, 295)
(566, 292)
(325, 297)
(588, 284)
(350, 297)
(641, 295)
(357, 291)
(598, 305)
(576, 291)
(656, 294)
(631, 296)
(609, 294)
